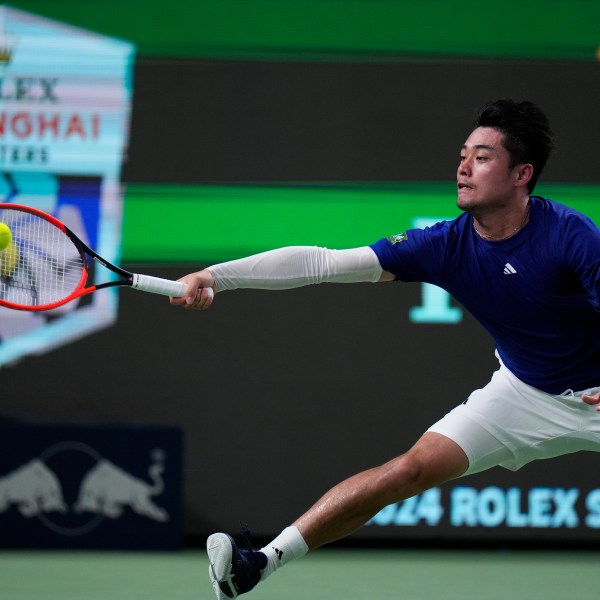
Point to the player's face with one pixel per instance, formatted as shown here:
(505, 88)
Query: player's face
(485, 178)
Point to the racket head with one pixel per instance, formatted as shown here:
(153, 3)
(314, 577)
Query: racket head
(42, 268)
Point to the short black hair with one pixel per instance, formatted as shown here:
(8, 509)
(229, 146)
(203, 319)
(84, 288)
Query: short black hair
(526, 128)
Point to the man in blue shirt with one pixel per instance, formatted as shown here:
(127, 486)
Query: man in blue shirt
(527, 268)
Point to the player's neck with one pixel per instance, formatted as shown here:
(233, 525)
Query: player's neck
(501, 225)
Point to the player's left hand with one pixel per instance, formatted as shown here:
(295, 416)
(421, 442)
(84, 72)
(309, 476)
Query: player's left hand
(593, 400)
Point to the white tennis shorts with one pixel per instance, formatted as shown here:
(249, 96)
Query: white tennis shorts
(510, 423)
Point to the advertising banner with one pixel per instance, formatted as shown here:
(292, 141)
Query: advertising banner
(65, 101)
(91, 486)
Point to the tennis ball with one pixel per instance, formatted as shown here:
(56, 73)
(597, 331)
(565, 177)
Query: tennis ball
(9, 260)
(5, 236)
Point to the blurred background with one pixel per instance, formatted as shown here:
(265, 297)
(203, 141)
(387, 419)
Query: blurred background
(201, 131)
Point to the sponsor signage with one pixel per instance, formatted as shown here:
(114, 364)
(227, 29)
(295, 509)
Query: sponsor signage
(90, 486)
(492, 512)
(65, 96)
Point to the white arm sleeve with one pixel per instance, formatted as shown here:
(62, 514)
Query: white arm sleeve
(296, 266)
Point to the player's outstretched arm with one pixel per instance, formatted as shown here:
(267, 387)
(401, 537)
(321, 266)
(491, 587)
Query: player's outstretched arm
(284, 268)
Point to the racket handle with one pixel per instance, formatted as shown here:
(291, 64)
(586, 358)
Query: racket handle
(156, 285)
(164, 287)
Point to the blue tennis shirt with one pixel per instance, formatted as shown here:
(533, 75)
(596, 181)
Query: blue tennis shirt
(537, 293)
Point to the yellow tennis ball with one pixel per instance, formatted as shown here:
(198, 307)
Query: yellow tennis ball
(9, 260)
(5, 236)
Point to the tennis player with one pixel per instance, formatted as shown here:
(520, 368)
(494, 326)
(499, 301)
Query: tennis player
(526, 267)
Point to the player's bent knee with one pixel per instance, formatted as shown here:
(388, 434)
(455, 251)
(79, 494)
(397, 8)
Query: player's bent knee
(403, 477)
(432, 461)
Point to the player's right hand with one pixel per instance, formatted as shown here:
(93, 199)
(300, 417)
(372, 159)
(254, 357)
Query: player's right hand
(200, 291)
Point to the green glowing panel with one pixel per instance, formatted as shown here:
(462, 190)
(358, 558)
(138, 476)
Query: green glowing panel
(208, 223)
(336, 29)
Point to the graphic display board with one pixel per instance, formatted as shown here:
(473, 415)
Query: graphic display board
(65, 98)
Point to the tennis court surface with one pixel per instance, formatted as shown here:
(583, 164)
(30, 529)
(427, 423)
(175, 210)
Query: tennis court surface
(343, 574)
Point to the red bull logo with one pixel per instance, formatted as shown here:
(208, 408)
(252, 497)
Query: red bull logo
(112, 486)
(105, 490)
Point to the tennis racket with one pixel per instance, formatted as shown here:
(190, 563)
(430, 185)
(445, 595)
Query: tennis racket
(46, 265)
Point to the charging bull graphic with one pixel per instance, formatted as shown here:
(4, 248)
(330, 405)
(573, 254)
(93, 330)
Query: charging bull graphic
(33, 488)
(91, 486)
(107, 489)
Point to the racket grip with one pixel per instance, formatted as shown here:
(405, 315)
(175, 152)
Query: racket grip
(156, 285)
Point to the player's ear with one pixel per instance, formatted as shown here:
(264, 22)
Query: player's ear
(523, 174)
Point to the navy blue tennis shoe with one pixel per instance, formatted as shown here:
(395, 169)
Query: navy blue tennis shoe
(233, 571)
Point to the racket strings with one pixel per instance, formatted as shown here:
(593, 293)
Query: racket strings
(41, 265)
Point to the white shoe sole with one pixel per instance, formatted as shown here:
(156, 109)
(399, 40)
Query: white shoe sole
(219, 547)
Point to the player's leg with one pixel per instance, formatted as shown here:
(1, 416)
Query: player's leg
(455, 446)
(434, 459)
(465, 441)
